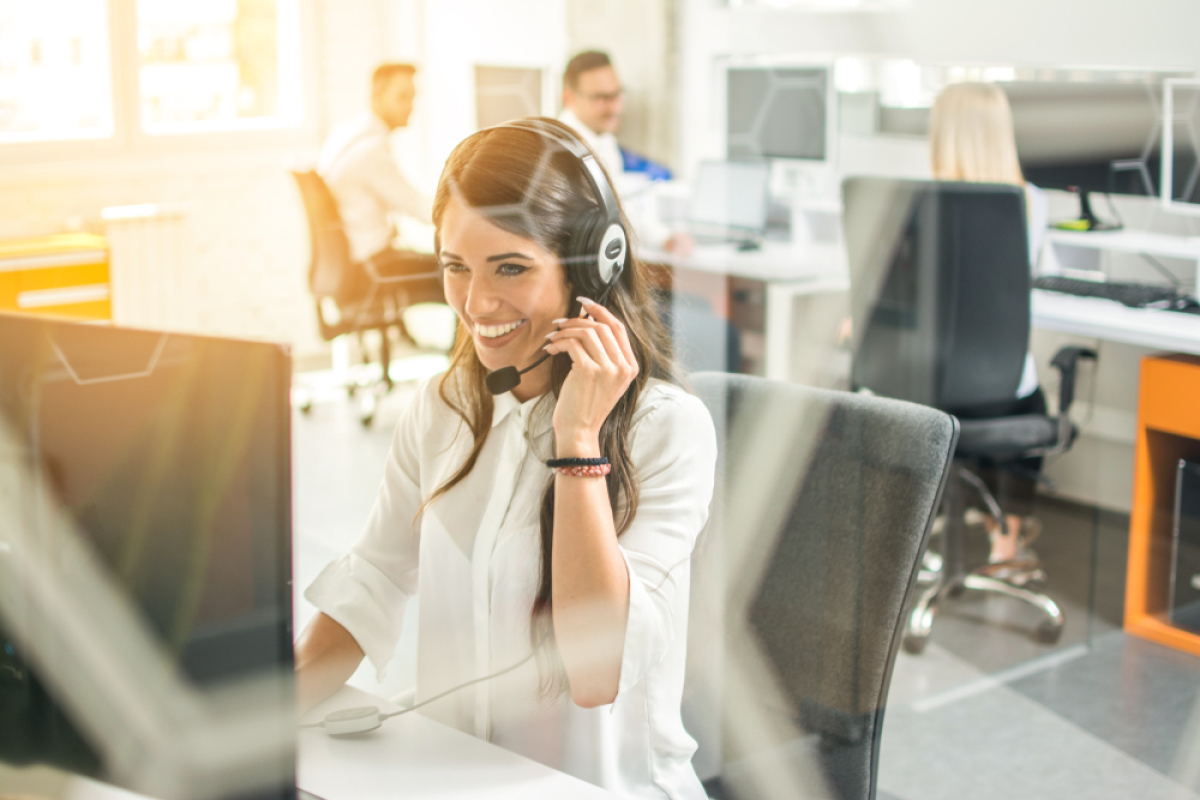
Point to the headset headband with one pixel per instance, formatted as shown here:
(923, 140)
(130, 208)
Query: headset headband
(592, 171)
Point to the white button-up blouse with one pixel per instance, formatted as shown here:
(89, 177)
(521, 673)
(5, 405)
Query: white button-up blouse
(474, 554)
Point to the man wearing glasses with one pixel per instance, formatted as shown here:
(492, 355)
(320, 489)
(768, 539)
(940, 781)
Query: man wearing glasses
(592, 104)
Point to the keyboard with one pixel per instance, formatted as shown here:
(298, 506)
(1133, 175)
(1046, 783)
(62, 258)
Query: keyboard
(1134, 295)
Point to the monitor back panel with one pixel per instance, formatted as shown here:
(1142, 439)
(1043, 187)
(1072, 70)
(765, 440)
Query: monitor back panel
(172, 453)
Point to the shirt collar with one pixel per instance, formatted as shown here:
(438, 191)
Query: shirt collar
(537, 415)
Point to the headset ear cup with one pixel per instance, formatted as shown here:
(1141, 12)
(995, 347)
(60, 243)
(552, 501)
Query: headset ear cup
(583, 263)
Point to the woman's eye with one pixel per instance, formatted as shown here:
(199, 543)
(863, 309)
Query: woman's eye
(454, 267)
(512, 269)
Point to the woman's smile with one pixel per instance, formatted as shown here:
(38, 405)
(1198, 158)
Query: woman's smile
(498, 334)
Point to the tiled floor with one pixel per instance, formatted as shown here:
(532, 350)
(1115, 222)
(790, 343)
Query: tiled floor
(984, 712)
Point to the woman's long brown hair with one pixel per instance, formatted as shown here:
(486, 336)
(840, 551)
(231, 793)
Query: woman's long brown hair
(528, 185)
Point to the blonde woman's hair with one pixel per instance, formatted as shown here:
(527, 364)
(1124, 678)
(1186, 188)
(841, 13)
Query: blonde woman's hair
(971, 135)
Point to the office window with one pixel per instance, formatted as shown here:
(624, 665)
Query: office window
(55, 76)
(218, 65)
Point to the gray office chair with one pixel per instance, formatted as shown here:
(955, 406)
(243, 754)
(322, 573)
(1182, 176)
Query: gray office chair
(801, 580)
(940, 283)
(353, 297)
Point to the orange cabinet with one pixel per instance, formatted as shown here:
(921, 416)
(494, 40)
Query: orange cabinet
(64, 275)
(1168, 430)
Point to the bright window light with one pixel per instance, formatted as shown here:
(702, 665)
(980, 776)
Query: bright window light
(55, 79)
(219, 65)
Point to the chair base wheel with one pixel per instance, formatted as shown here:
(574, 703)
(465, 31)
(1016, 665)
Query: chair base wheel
(915, 644)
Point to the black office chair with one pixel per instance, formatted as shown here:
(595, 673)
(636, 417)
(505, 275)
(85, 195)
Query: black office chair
(802, 580)
(353, 297)
(940, 283)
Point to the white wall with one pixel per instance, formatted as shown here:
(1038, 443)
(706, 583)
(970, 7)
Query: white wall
(458, 35)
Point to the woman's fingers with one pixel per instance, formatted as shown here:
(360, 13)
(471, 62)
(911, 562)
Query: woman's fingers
(590, 339)
(575, 349)
(604, 334)
(609, 321)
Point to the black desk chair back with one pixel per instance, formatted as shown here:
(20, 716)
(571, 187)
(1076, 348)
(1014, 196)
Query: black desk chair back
(802, 580)
(351, 297)
(940, 283)
(940, 290)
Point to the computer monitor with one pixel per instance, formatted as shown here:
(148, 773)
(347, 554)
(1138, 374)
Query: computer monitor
(1180, 173)
(1088, 137)
(506, 93)
(172, 455)
(729, 199)
(778, 112)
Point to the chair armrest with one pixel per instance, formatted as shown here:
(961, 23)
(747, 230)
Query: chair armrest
(1066, 361)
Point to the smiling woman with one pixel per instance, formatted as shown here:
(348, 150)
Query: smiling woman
(586, 563)
(508, 300)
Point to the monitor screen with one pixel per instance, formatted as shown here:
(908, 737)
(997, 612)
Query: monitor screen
(730, 196)
(506, 93)
(778, 112)
(1101, 137)
(172, 454)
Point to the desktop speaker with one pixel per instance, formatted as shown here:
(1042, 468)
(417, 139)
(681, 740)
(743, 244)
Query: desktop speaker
(1185, 552)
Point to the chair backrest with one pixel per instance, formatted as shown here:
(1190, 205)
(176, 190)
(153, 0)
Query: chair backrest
(331, 264)
(940, 283)
(822, 510)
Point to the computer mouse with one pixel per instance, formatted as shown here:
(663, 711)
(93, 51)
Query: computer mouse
(1187, 305)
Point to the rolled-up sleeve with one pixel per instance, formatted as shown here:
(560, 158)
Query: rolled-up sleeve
(674, 450)
(366, 591)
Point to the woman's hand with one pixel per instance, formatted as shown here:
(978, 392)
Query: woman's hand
(602, 367)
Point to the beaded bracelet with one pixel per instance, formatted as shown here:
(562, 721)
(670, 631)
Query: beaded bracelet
(576, 462)
(594, 471)
(581, 467)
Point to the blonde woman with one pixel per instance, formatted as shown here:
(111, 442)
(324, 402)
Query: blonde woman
(971, 139)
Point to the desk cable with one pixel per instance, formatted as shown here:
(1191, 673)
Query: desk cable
(362, 719)
(350, 721)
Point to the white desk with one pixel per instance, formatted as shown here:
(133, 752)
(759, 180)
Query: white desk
(414, 756)
(788, 270)
(1130, 241)
(1109, 320)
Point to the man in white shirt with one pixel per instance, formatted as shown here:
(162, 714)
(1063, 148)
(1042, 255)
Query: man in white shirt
(357, 165)
(593, 100)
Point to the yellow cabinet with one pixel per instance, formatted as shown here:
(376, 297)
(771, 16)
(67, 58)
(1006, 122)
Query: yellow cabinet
(65, 275)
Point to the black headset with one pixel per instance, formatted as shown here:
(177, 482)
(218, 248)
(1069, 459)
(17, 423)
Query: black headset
(598, 250)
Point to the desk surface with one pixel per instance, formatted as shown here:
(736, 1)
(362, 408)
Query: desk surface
(1129, 241)
(773, 262)
(414, 756)
(1111, 321)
